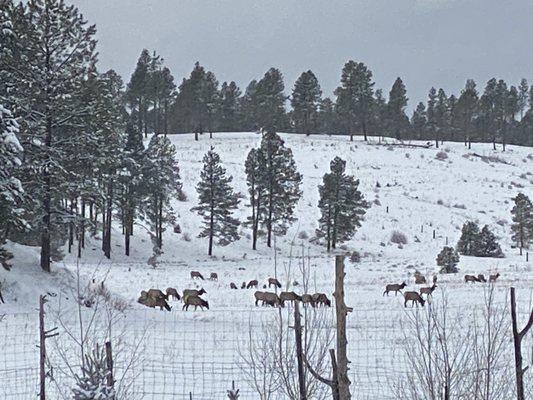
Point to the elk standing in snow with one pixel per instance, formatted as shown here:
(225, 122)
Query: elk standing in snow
(493, 278)
(471, 278)
(213, 276)
(171, 292)
(252, 284)
(194, 301)
(414, 297)
(274, 282)
(196, 275)
(428, 290)
(394, 287)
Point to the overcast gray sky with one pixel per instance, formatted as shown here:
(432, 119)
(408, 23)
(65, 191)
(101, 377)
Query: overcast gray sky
(425, 42)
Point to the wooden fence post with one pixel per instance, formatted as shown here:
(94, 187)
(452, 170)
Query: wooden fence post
(517, 338)
(109, 361)
(43, 335)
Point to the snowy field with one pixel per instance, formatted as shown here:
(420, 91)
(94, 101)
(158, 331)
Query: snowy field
(410, 191)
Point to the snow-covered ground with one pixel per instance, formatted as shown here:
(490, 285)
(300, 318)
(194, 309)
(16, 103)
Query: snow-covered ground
(410, 191)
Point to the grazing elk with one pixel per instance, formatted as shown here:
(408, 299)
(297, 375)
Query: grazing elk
(193, 292)
(481, 278)
(420, 279)
(308, 299)
(266, 298)
(194, 301)
(233, 286)
(157, 294)
(471, 278)
(428, 290)
(196, 275)
(394, 287)
(289, 296)
(213, 276)
(171, 292)
(321, 299)
(493, 278)
(152, 302)
(252, 284)
(414, 297)
(273, 282)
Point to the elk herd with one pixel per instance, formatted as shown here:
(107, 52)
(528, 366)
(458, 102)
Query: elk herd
(416, 298)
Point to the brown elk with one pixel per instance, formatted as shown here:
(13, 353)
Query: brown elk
(394, 287)
(152, 302)
(233, 286)
(193, 292)
(420, 280)
(194, 301)
(308, 299)
(471, 278)
(428, 290)
(321, 299)
(156, 293)
(481, 278)
(414, 297)
(196, 275)
(271, 299)
(252, 284)
(273, 282)
(493, 278)
(171, 292)
(213, 276)
(289, 296)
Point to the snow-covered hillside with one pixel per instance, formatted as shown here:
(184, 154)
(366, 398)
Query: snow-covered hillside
(413, 190)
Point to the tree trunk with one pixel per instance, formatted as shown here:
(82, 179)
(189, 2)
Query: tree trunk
(341, 312)
(109, 217)
(211, 225)
(299, 351)
(517, 339)
(47, 211)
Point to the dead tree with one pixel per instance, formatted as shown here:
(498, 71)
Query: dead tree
(517, 339)
(43, 335)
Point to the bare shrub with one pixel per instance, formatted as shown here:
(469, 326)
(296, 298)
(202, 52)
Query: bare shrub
(303, 235)
(398, 238)
(355, 257)
(441, 156)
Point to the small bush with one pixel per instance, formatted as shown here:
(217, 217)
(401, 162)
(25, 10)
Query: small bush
(177, 228)
(303, 235)
(441, 156)
(448, 259)
(398, 238)
(182, 196)
(355, 257)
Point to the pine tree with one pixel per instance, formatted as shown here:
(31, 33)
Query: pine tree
(441, 115)
(327, 117)
(217, 201)
(488, 124)
(160, 175)
(419, 120)
(11, 191)
(522, 227)
(249, 107)
(137, 92)
(448, 260)
(268, 101)
(397, 121)
(341, 204)
(432, 123)
(52, 51)
(354, 97)
(523, 95)
(305, 101)
(93, 382)
(255, 189)
(469, 241)
(488, 245)
(466, 109)
(230, 116)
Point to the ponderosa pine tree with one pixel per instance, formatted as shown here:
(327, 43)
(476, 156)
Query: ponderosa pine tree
(355, 97)
(487, 119)
(137, 93)
(469, 240)
(326, 116)
(268, 101)
(522, 227)
(305, 101)
(341, 204)
(397, 121)
(52, 48)
(160, 174)
(249, 107)
(217, 202)
(466, 111)
(430, 113)
(441, 115)
(448, 259)
(229, 113)
(255, 189)
(523, 96)
(487, 244)
(419, 120)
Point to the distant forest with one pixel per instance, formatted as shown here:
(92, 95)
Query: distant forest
(497, 113)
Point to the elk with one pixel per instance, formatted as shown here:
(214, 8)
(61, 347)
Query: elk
(414, 297)
(213, 276)
(394, 287)
(271, 299)
(196, 275)
(481, 278)
(193, 292)
(157, 294)
(152, 302)
(308, 299)
(289, 296)
(493, 278)
(233, 286)
(420, 279)
(171, 292)
(252, 284)
(428, 290)
(471, 278)
(274, 282)
(321, 299)
(194, 301)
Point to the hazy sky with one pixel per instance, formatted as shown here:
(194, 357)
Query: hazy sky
(425, 42)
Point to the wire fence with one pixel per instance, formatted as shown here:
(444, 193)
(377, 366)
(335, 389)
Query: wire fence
(183, 355)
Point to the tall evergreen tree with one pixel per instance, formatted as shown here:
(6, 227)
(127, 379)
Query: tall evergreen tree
(523, 95)
(488, 245)
(249, 107)
(217, 202)
(341, 204)
(269, 101)
(137, 93)
(53, 50)
(466, 111)
(419, 121)
(522, 227)
(305, 102)
(469, 241)
(253, 163)
(354, 97)
(431, 116)
(326, 116)
(397, 121)
(488, 124)
(441, 115)
(230, 116)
